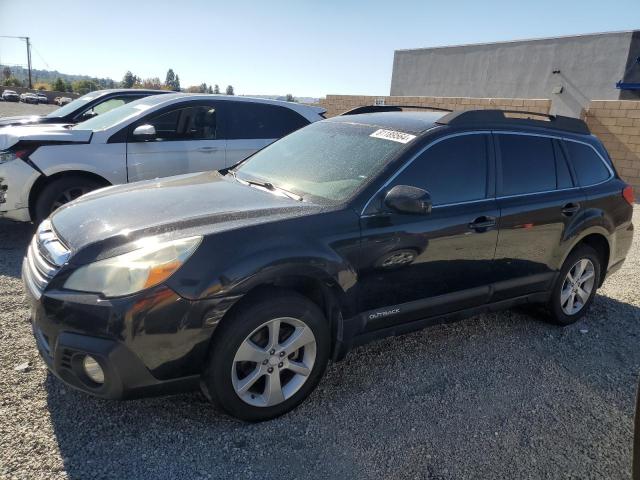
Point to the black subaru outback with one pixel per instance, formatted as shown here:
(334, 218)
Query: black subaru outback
(247, 281)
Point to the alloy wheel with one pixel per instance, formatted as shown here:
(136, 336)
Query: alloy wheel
(273, 362)
(577, 286)
(68, 195)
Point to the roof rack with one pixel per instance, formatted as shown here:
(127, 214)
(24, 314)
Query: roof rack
(484, 118)
(390, 108)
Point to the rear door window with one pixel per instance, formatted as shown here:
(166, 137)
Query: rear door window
(452, 171)
(589, 167)
(248, 120)
(528, 164)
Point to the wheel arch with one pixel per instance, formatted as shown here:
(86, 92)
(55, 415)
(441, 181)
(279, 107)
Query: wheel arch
(598, 239)
(44, 180)
(322, 292)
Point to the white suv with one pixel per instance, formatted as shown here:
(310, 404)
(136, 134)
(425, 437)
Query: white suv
(44, 167)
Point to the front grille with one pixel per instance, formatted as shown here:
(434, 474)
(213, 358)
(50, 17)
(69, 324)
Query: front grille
(45, 256)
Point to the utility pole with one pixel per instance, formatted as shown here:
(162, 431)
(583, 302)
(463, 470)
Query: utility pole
(26, 39)
(29, 60)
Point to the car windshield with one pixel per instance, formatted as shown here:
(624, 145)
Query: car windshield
(120, 114)
(326, 159)
(77, 104)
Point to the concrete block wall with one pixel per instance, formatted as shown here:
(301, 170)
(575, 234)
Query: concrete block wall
(336, 104)
(617, 124)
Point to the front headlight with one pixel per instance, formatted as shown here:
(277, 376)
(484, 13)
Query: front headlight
(9, 155)
(149, 265)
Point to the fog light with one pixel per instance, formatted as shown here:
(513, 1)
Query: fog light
(93, 369)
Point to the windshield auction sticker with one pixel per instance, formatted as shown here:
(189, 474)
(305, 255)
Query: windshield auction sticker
(393, 135)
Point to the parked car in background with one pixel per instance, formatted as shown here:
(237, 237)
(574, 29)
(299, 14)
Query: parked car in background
(10, 96)
(56, 101)
(26, 98)
(42, 98)
(83, 108)
(44, 167)
(246, 282)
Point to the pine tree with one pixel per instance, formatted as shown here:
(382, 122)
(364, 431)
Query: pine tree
(176, 87)
(170, 80)
(230, 90)
(216, 89)
(128, 80)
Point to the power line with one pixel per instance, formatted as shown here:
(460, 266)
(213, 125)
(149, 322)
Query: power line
(40, 56)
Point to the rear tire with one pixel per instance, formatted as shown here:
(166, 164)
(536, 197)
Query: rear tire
(575, 286)
(62, 191)
(255, 374)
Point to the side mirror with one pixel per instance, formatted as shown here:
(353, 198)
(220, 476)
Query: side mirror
(86, 116)
(406, 199)
(145, 132)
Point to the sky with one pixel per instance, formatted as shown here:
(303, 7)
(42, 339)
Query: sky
(306, 48)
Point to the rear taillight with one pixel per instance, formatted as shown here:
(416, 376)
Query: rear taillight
(627, 193)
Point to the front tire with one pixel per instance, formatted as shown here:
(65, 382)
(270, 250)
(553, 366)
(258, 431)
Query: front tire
(267, 357)
(575, 286)
(61, 191)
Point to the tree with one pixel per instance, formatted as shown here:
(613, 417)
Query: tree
(152, 83)
(210, 90)
(84, 86)
(12, 82)
(128, 80)
(6, 73)
(216, 89)
(202, 88)
(40, 86)
(58, 85)
(67, 86)
(290, 98)
(172, 81)
(230, 90)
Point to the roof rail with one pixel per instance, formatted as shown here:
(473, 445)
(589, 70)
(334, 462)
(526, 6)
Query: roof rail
(484, 118)
(390, 108)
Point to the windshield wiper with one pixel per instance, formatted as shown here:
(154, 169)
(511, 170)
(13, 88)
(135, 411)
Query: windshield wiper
(267, 185)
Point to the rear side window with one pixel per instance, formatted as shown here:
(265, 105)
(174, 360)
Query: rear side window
(528, 164)
(588, 165)
(453, 170)
(259, 120)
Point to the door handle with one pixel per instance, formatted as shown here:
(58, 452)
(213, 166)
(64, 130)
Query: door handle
(208, 149)
(570, 208)
(483, 223)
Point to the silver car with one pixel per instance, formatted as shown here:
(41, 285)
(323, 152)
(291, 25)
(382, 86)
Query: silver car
(44, 167)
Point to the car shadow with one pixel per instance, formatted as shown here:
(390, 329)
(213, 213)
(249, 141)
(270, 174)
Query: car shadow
(495, 383)
(14, 240)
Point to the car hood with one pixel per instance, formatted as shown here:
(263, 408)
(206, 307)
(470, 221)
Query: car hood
(49, 134)
(20, 120)
(200, 203)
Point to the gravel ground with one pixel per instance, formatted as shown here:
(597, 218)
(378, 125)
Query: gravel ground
(496, 396)
(8, 109)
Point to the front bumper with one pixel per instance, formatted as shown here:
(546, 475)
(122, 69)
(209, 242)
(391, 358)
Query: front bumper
(147, 344)
(16, 179)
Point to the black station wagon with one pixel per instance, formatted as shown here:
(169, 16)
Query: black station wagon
(245, 282)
